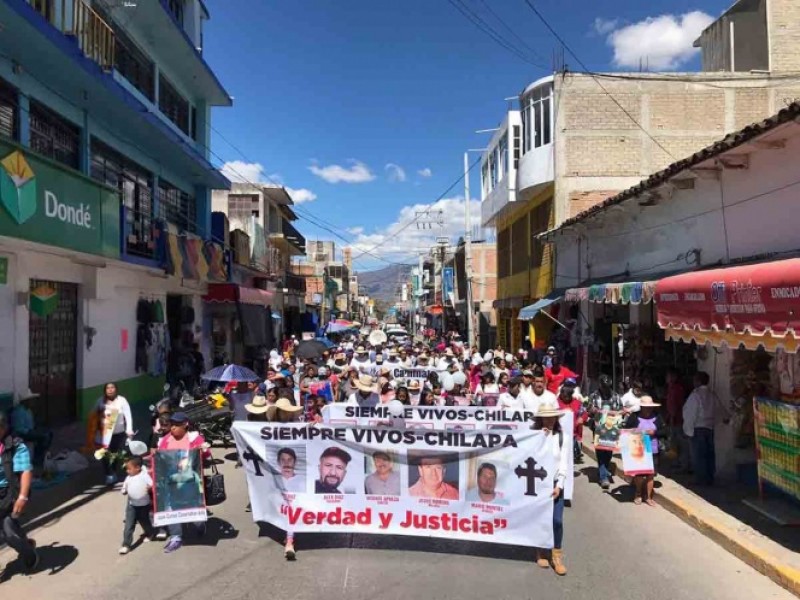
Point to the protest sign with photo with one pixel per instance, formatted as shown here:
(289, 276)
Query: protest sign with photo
(110, 417)
(636, 449)
(491, 486)
(178, 491)
(450, 418)
(606, 430)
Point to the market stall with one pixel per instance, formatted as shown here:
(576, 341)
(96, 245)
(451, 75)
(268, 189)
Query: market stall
(751, 312)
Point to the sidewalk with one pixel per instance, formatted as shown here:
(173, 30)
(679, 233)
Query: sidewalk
(765, 554)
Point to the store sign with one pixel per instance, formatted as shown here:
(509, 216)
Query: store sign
(43, 202)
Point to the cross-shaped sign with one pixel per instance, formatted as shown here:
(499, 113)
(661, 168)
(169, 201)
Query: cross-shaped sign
(255, 459)
(531, 473)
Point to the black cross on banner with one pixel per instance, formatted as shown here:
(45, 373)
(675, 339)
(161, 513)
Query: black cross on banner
(255, 459)
(531, 473)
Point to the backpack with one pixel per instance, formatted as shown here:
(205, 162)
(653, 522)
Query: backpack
(8, 467)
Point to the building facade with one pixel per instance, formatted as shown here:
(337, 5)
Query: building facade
(584, 138)
(105, 224)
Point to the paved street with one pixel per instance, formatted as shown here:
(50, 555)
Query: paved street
(613, 549)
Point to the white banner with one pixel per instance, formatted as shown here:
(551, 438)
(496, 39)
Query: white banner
(489, 486)
(449, 418)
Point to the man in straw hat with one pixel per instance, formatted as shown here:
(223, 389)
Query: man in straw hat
(647, 422)
(283, 411)
(361, 359)
(547, 420)
(366, 393)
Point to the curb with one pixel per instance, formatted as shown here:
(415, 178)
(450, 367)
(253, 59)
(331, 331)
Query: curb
(739, 539)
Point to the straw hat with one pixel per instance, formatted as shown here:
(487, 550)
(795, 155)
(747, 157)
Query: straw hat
(361, 350)
(414, 386)
(258, 406)
(548, 410)
(283, 404)
(449, 352)
(366, 383)
(647, 401)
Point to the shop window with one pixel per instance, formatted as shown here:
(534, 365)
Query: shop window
(135, 187)
(53, 136)
(177, 207)
(172, 105)
(9, 111)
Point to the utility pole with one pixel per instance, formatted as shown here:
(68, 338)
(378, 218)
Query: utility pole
(468, 253)
(420, 282)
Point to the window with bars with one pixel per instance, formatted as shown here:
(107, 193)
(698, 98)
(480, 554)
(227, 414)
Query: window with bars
(53, 136)
(177, 207)
(173, 106)
(134, 65)
(135, 187)
(9, 111)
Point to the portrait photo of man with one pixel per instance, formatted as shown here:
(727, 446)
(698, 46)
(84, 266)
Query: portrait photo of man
(290, 480)
(385, 479)
(427, 476)
(332, 470)
(485, 489)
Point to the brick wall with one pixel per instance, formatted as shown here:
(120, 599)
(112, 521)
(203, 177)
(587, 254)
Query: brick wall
(581, 201)
(784, 35)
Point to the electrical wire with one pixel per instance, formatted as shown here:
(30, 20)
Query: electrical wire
(476, 20)
(510, 30)
(596, 80)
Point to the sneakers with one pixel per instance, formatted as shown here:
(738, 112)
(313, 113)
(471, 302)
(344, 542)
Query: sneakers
(605, 485)
(161, 536)
(173, 545)
(124, 550)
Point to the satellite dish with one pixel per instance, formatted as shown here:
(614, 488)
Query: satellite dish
(377, 338)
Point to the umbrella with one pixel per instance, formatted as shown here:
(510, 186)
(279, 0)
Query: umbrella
(230, 373)
(310, 349)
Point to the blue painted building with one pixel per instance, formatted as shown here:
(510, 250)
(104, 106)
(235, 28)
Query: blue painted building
(105, 203)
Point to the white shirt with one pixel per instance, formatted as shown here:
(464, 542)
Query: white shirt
(631, 402)
(562, 454)
(361, 364)
(296, 484)
(509, 402)
(532, 402)
(703, 408)
(138, 487)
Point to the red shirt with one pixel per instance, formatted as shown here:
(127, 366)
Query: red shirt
(554, 380)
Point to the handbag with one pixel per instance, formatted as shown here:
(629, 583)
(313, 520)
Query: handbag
(214, 485)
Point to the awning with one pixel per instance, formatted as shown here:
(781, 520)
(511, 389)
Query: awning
(629, 292)
(230, 293)
(754, 299)
(529, 312)
(515, 302)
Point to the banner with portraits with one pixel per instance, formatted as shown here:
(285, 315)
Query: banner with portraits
(488, 486)
(179, 495)
(636, 449)
(607, 425)
(449, 418)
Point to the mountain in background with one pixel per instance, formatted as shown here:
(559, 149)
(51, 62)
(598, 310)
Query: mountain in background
(384, 284)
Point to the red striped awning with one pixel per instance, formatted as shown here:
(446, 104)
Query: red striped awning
(754, 299)
(230, 293)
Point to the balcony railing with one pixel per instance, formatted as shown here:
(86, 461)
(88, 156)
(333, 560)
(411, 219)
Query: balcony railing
(77, 19)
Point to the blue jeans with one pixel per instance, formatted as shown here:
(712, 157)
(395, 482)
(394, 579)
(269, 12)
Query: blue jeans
(558, 521)
(604, 464)
(704, 456)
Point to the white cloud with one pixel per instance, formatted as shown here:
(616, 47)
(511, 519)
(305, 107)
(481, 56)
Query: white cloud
(358, 172)
(243, 172)
(395, 173)
(301, 195)
(661, 43)
(426, 172)
(604, 26)
(401, 239)
(355, 230)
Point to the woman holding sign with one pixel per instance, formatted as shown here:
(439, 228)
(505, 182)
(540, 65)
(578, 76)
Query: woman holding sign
(115, 427)
(546, 420)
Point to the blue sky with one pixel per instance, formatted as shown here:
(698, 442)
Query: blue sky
(364, 108)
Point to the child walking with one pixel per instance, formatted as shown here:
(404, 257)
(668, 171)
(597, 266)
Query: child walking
(138, 487)
(648, 421)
